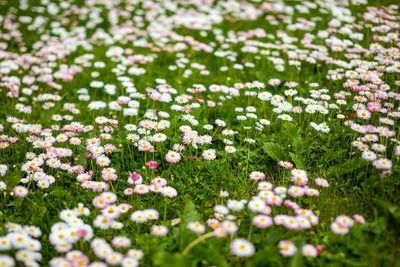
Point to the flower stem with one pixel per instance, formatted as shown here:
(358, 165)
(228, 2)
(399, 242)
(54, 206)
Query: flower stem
(165, 211)
(196, 241)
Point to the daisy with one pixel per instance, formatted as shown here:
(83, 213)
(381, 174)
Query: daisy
(291, 223)
(159, 230)
(311, 192)
(111, 212)
(109, 197)
(3, 186)
(220, 232)
(230, 149)
(242, 248)
(121, 241)
(102, 222)
(129, 262)
(209, 154)
(235, 205)
(322, 182)
(344, 221)
(5, 243)
(172, 157)
(368, 155)
(221, 209)
(175, 221)
(382, 163)
(141, 189)
(280, 190)
(285, 164)
(114, 258)
(262, 221)
(139, 216)
(256, 205)
(20, 191)
(135, 254)
(256, 175)
(6, 261)
(151, 214)
(169, 191)
(309, 251)
(296, 191)
(287, 248)
(196, 227)
(262, 186)
(274, 200)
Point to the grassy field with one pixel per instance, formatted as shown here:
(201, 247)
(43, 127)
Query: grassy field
(199, 133)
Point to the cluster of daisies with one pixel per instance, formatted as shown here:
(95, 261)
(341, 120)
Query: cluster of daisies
(72, 229)
(262, 206)
(23, 241)
(157, 185)
(104, 251)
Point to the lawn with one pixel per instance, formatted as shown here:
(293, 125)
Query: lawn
(199, 133)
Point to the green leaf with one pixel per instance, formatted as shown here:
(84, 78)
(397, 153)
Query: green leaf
(81, 151)
(13, 179)
(275, 151)
(190, 213)
(166, 259)
(298, 160)
(291, 130)
(297, 260)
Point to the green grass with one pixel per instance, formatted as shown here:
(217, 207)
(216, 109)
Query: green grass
(355, 185)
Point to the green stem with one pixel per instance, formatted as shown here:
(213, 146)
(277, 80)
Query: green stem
(196, 241)
(111, 185)
(165, 211)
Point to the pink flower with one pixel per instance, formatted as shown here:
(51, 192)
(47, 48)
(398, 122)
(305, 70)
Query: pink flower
(128, 191)
(256, 175)
(358, 218)
(81, 260)
(81, 233)
(145, 147)
(285, 164)
(292, 205)
(135, 178)
(322, 182)
(109, 176)
(152, 164)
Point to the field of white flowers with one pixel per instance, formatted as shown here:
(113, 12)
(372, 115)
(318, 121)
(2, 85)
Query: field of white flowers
(199, 133)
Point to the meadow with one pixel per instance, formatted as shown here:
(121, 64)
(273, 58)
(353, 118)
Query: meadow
(199, 133)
